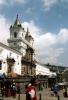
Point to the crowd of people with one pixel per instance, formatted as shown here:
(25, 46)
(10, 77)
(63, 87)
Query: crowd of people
(11, 89)
(8, 88)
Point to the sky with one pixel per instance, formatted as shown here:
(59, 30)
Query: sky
(48, 23)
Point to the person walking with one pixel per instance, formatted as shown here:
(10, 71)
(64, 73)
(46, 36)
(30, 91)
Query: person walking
(31, 90)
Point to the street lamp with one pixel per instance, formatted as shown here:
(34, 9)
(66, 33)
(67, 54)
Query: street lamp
(18, 91)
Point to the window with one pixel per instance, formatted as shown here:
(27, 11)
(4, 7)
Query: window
(23, 28)
(15, 34)
(17, 56)
(0, 64)
(10, 54)
(18, 63)
(15, 43)
(22, 34)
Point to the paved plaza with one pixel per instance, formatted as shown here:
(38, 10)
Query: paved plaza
(46, 95)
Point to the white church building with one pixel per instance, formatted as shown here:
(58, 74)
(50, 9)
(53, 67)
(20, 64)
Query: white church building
(18, 56)
(6, 54)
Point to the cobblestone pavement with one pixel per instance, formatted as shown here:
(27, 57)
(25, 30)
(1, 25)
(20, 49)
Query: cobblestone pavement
(46, 95)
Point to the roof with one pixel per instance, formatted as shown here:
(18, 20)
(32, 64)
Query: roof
(42, 70)
(8, 48)
(17, 22)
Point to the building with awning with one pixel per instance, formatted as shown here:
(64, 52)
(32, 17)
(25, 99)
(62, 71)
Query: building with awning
(42, 70)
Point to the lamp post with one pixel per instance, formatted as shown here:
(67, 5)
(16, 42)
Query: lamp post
(40, 90)
(40, 96)
(58, 97)
(19, 96)
(19, 91)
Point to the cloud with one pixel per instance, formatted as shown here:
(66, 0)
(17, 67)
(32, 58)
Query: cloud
(34, 30)
(2, 2)
(28, 11)
(49, 47)
(52, 55)
(11, 1)
(48, 4)
(4, 29)
(62, 36)
(64, 1)
(17, 1)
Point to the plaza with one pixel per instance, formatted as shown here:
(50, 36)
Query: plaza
(45, 95)
(19, 63)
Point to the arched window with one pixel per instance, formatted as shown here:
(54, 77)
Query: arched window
(15, 34)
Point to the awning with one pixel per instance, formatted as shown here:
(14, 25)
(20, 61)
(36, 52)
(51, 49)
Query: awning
(42, 70)
(2, 75)
(63, 83)
(52, 75)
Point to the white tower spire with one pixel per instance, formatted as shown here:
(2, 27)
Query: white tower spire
(17, 21)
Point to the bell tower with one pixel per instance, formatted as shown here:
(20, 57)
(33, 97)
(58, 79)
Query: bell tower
(29, 38)
(17, 33)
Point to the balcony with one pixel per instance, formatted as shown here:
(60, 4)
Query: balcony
(10, 61)
(28, 61)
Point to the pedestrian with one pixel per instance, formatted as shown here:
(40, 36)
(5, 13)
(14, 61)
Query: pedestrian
(56, 89)
(14, 91)
(31, 90)
(65, 93)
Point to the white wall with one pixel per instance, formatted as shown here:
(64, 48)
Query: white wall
(7, 53)
(42, 70)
